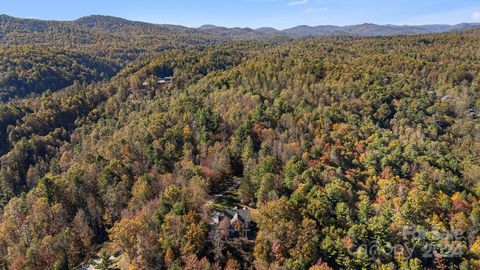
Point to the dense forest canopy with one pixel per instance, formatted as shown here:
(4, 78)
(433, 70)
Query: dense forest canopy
(26, 70)
(349, 152)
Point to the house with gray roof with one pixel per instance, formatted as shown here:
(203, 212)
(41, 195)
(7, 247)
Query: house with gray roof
(240, 221)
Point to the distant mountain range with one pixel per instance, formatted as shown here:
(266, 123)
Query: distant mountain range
(366, 29)
(10, 24)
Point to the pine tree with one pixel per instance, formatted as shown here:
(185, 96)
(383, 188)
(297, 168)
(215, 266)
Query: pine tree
(106, 262)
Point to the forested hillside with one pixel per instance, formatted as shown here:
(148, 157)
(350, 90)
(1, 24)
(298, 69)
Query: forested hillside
(350, 153)
(101, 33)
(37, 55)
(25, 70)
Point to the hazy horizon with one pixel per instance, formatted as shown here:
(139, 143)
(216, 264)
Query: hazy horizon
(217, 25)
(279, 14)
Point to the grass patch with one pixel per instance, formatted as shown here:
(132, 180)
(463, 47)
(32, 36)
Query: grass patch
(227, 201)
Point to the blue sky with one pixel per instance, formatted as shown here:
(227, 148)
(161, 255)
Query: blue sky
(254, 13)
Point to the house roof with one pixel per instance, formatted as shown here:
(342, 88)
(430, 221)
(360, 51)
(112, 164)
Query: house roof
(244, 214)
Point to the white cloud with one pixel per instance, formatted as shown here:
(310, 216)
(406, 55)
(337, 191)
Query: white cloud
(312, 9)
(298, 2)
(476, 15)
